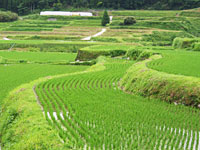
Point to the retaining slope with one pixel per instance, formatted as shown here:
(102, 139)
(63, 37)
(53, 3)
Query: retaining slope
(147, 82)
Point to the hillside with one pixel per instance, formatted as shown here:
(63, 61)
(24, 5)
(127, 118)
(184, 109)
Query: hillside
(67, 82)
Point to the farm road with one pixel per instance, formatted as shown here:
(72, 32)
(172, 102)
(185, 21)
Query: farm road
(98, 34)
(5, 38)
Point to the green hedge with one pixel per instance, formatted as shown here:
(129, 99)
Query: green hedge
(136, 54)
(89, 55)
(181, 43)
(146, 82)
(8, 16)
(196, 46)
(164, 36)
(133, 54)
(92, 52)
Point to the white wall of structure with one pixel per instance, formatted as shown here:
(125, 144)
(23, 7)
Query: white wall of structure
(64, 13)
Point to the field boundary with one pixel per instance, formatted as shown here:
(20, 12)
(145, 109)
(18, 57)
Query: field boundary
(146, 82)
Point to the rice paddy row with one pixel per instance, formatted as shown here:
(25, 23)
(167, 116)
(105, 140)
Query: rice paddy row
(178, 62)
(91, 112)
(13, 75)
(35, 27)
(88, 109)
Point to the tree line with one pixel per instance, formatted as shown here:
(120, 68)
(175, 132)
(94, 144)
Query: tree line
(27, 6)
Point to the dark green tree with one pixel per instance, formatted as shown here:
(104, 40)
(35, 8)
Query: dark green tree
(23, 9)
(129, 21)
(105, 19)
(57, 6)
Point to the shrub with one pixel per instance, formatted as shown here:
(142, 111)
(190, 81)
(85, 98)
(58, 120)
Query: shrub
(164, 36)
(93, 52)
(115, 53)
(139, 55)
(144, 55)
(129, 21)
(133, 54)
(196, 46)
(22, 61)
(86, 55)
(105, 19)
(8, 16)
(184, 42)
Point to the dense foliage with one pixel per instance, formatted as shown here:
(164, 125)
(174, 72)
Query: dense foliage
(129, 21)
(185, 43)
(105, 19)
(8, 16)
(27, 6)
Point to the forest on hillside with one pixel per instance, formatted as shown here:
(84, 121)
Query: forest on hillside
(23, 7)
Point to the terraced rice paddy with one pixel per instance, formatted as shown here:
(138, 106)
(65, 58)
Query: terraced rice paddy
(178, 62)
(66, 29)
(46, 103)
(13, 75)
(90, 111)
(38, 56)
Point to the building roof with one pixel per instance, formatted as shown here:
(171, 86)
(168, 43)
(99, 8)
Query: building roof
(64, 13)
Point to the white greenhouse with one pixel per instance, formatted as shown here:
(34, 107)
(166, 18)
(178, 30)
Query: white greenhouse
(64, 13)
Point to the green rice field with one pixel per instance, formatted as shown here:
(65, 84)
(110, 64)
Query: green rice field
(66, 85)
(183, 63)
(90, 111)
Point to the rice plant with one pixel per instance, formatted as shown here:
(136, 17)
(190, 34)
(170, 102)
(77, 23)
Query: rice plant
(98, 115)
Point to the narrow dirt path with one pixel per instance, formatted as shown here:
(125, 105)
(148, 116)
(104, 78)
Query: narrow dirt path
(98, 34)
(111, 18)
(5, 38)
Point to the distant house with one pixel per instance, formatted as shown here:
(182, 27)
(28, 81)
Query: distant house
(64, 13)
